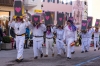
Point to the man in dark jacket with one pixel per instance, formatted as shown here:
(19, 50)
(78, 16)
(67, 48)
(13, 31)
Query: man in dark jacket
(1, 34)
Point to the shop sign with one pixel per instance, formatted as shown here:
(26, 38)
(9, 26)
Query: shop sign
(38, 11)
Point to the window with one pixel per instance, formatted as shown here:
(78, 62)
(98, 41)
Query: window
(42, 0)
(62, 2)
(51, 1)
(57, 1)
(48, 0)
(70, 14)
(70, 2)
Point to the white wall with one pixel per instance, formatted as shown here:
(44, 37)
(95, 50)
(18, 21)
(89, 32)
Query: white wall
(38, 7)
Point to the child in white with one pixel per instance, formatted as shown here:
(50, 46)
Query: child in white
(59, 40)
(49, 40)
(84, 41)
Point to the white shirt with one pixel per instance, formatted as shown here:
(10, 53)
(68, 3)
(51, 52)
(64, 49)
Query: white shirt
(69, 34)
(19, 27)
(59, 33)
(51, 34)
(90, 32)
(39, 31)
(84, 36)
(96, 34)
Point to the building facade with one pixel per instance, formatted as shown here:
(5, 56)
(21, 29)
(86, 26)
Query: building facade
(7, 10)
(6, 7)
(55, 6)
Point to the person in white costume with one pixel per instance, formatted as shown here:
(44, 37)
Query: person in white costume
(70, 36)
(38, 33)
(59, 40)
(20, 28)
(49, 40)
(84, 41)
(96, 37)
(89, 36)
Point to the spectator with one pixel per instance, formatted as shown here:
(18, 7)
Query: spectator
(27, 38)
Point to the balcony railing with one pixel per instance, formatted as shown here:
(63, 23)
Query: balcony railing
(6, 3)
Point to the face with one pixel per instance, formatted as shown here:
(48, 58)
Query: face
(60, 27)
(48, 28)
(68, 23)
(18, 19)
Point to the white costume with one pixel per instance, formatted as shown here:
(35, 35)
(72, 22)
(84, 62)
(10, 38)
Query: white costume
(96, 38)
(20, 29)
(59, 41)
(49, 41)
(69, 36)
(38, 38)
(89, 37)
(84, 42)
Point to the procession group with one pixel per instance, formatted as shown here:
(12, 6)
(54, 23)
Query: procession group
(65, 36)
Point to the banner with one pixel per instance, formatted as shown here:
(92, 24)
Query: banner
(97, 23)
(47, 18)
(60, 18)
(36, 18)
(71, 18)
(89, 21)
(84, 25)
(18, 8)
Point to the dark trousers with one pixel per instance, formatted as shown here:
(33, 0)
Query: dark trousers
(26, 44)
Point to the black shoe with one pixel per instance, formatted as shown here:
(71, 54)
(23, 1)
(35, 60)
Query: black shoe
(46, 56)
(41, 55)
(20, 60)
(86, 51)
(72, 52)
(16, 60)
(36, 57)
(68, 58)
(82, 52)
(94, 49)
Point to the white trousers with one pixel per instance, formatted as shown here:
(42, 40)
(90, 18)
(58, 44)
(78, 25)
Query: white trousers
(73, 49)
(20, 40)
(60, 46)
(84, 45)
(96, 42)
(69, 48)
(37, 46)
(89, 42)
(49, 44)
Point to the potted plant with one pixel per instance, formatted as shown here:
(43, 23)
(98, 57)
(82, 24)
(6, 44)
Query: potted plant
(6, 43)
